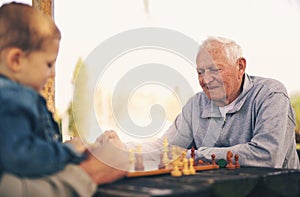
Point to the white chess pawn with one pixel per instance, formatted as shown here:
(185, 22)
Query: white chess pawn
(185, 169)
(176, 171)
(192, 169)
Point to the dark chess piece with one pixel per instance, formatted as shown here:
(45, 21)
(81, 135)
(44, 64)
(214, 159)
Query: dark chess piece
(229, 160)
(213, 159)
(236, 157)
(193, 155)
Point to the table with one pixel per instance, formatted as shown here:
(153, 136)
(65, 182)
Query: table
(246, 181)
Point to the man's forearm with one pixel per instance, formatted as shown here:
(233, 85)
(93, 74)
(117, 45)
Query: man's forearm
(70, 182)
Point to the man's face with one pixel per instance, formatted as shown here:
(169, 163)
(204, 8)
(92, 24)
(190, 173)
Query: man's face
(220, 80)
(39, 66)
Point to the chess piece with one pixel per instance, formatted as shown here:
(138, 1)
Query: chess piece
(185, 169)
(192, 169)
(213, 159)
(139, 163)
(236, 157)
(165, 143)
(174, 154)
(200, 162)
(193, 155)
(229, 160)
(183, 155)
(176, 171)
(179, 159)
(165, 158)
(131, 160)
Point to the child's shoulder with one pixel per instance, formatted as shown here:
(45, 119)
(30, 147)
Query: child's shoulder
(15, 94)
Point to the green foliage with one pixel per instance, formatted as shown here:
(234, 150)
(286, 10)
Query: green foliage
(72, 126)
(295, 100)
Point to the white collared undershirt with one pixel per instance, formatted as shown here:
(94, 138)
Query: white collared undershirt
(227, 108)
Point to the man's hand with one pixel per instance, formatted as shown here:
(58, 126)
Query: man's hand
(78, 144)
(108, 159)
(112, 136)
(100, 172)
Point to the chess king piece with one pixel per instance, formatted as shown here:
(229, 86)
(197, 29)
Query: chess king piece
(229, 160)
(164, 156)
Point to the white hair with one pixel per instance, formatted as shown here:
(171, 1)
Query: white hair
(232, 50)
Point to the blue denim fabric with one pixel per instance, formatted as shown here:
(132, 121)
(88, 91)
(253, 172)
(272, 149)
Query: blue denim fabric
(30, 143)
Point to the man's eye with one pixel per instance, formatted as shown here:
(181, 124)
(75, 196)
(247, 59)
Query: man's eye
(215, 70)
(200, 72)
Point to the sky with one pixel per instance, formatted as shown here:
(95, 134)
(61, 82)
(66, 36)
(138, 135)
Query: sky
(267, 30)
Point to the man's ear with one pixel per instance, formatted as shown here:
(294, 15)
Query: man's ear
(13, 58)
(242, 66)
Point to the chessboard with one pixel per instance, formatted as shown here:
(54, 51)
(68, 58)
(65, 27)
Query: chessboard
(169, 171)
(177, 164)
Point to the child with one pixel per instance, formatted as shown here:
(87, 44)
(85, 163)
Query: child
(30, 143)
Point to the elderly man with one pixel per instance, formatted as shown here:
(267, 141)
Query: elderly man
(248, 115)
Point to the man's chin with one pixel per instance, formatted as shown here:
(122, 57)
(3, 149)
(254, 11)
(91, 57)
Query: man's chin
(216, 98)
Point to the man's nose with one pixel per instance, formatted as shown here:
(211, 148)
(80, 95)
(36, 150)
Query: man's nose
(208, 77)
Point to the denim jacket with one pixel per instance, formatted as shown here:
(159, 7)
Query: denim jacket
(30, 143)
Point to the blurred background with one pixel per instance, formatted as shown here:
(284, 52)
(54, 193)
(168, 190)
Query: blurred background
(267, 30)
